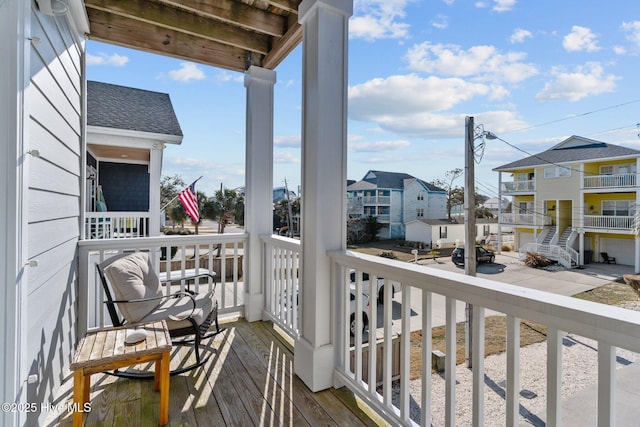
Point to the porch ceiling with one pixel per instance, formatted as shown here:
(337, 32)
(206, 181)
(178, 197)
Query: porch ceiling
(103, 152)
(230, 34)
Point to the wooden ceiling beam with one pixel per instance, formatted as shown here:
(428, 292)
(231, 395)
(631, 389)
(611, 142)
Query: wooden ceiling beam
(183, 21)
(144, 36)
(236, 13)
(283, 47)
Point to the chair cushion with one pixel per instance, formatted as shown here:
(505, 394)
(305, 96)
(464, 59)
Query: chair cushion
(132, 277)
(180, 308)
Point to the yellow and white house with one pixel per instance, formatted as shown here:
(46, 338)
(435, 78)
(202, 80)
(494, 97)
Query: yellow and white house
(574, 202)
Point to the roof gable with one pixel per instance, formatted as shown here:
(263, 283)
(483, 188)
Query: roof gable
(571, 150)
(127, 108)
(396, 180)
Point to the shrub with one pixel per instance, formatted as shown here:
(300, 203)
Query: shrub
(388, 254)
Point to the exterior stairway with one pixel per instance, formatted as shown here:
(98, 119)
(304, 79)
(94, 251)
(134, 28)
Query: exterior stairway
(550, 233)
(562, 241)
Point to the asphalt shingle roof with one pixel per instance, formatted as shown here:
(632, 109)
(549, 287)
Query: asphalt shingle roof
(559, 154)
(122, 107)
(394, 180)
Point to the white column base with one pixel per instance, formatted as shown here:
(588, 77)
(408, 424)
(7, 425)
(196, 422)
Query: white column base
(314, 366)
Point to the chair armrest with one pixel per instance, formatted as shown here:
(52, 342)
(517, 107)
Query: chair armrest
(179, 294)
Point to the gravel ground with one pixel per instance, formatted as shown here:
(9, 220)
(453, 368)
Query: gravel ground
(579, 368)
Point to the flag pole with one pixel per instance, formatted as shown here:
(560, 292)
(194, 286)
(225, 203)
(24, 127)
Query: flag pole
(176, 196)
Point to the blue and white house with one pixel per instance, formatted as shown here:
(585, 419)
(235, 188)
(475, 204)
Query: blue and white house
(395, 199)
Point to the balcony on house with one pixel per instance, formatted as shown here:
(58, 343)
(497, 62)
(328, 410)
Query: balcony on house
(524, 219)
(615, 181)
(116, 225)
(252, 375)
(609, 222)
(515, 187)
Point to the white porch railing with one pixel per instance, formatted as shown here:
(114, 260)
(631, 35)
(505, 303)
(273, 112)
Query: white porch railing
(625, 223)
(281, 281)
(610, 326)
(524, 219)
(191, 253)
(564, 256)
(621, 180)
(518, 186)
(116, 225)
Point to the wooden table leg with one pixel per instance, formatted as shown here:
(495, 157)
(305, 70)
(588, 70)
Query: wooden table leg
(81, 386)
(164, 386)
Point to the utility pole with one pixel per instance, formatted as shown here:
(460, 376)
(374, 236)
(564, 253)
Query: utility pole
(469, 227)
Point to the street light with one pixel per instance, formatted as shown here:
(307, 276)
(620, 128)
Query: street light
(471, 134)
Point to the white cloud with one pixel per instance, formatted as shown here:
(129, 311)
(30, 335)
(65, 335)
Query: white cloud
(104, 59)
(580, 39)
(519, 35)
(585, 80)
(498, 5)
(288, 157)
(449, 2)
(440, 22)
(619, 50)
(378, 19)
(378, 146)
(479, 62)
(292, 141)
(229, 77)
(633, 30)
(188, 71)
(407, 94)
(503, 5)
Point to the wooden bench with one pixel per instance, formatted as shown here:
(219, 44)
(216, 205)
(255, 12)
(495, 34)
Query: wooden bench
(105, 350)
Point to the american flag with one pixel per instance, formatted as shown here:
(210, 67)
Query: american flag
(190, 202)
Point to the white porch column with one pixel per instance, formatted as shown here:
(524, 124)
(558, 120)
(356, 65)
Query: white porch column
(259, 182)
(324, 176)
(155, 173)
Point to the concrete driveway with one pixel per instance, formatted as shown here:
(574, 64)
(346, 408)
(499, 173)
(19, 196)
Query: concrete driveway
(508, 269)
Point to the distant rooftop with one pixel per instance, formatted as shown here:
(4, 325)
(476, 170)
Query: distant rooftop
(122, 107)
(383, 179)
(572, 149)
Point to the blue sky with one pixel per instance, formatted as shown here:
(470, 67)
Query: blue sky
(532, 72)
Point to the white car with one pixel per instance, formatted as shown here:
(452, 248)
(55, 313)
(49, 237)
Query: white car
(287, 305)
(352, 310)
(397, 287)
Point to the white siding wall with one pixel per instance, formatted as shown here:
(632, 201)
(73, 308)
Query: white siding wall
(54, 128)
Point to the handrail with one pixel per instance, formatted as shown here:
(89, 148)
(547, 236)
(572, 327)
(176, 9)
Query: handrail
(610, 326)
(184, 253)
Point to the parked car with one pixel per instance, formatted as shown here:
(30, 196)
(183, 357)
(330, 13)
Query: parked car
(352, 309)
(482, 255)
(287, 304)
(396, 287)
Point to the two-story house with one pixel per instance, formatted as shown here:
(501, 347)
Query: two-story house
(575, 201)
(127, 132)
(395, 199)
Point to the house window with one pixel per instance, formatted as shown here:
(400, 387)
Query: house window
(443, 232)
(557, 172)
(486, 230)
(618, 208)
(421, 196)
(420, 213)
(617, 169)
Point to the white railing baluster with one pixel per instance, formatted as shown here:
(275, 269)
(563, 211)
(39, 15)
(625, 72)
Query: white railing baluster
(478, 366)
(513, 370)
(554, 377)
(606, 384)
(373, 336)
(450, 363)
(405, 347)
(357, 336)
(388, 345)
(427, 349)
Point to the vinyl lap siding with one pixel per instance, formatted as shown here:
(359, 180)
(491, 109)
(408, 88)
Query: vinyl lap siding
(54, 128)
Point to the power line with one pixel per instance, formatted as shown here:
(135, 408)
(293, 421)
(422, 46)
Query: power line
(578, 115)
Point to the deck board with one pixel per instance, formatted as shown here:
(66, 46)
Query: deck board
(247, 381)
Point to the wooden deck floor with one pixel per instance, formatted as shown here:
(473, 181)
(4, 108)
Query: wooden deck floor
(248, 381)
